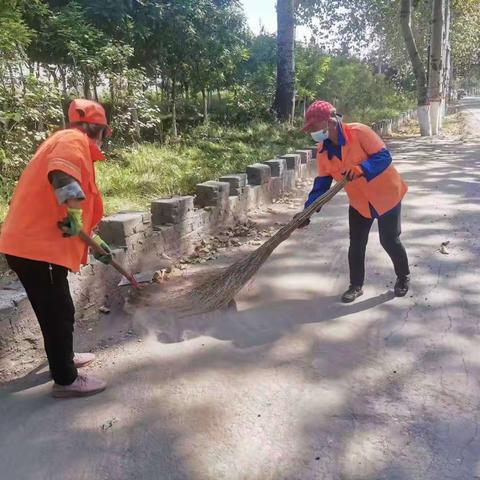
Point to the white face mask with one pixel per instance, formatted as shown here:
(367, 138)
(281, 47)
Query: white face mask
(319, 136)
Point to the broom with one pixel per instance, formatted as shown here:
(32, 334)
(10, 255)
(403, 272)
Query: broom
(219, 290)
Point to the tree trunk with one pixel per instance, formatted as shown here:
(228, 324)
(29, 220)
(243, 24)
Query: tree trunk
(418, 67)
(219, 95)
(205, 106)
(446, 62)
(174, 105)
(22, 78)
(95, 88)
(74, 78)
(53, 73)
(136, 125)
(12, 78)
(163, 89)
(112, 94)
(294, 104)
(63, 76)
(86, 85)
(436, 64)
(284, 95)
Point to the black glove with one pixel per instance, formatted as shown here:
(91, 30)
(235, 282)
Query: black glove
(306, 223)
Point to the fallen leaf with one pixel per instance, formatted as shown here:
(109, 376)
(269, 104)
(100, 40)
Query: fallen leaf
(109, 424)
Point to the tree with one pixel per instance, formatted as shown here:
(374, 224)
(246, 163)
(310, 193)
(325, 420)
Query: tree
(219, 45)
(418, 67)
(285, 92)
(436, 66)
(465, 37)
(311, 67)
(373, 25)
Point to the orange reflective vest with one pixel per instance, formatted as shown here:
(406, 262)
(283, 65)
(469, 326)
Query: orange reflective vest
(30, 229)
(384, 192)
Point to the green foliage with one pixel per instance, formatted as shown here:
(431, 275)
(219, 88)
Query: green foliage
(26, 120)
(311, 66)
(466, 36)
(14, 33)
(353, 26)
(359, 94)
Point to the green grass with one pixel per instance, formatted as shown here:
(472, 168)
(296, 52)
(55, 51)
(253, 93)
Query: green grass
(133, 176)
(6, 190)
(136, 175)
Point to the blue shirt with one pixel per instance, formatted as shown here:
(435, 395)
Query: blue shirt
(371, 168)
(333, 149)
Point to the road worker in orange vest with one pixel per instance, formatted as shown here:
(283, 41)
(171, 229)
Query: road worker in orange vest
(375, 190)
(57, 197)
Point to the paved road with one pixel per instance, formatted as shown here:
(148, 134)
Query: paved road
(295, 385)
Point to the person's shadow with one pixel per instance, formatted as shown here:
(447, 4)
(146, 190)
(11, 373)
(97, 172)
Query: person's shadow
(259, 325)
(32, 379)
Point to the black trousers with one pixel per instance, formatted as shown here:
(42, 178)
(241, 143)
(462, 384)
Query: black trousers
(389, 226)
(49, 293)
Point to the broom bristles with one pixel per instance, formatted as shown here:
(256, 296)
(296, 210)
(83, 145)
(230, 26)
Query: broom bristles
(221, 288)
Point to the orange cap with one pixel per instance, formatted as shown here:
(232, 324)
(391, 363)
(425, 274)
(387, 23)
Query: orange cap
(88, 111)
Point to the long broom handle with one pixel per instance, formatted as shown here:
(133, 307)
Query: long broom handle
(101, 251)
(300, 218)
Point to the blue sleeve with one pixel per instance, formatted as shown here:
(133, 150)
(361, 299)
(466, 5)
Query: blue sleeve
(320, 186)
(376, 164)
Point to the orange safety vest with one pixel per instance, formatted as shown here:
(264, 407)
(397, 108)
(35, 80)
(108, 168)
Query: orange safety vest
(30, 229)
(384, 192)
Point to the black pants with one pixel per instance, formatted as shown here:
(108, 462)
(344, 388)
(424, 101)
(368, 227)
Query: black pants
(49, 294)
(389, 226)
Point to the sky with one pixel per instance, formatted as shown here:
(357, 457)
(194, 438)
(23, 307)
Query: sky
(263, 12)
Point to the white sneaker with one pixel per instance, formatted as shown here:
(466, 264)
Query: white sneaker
(83, 386)
(83, 359)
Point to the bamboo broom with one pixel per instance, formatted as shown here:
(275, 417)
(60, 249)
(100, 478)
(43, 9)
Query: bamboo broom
(220, 289)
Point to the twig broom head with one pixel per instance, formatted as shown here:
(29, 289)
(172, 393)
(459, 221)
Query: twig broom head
(221, 288)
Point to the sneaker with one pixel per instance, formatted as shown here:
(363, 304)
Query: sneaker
(352, 294)
(83, 359)
(401, 286)
(83, 386)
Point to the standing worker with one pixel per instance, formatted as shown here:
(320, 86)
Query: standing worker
(375, 190)
(56, 198)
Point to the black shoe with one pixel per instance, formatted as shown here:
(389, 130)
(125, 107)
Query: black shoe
(401, 286)
(352, 294)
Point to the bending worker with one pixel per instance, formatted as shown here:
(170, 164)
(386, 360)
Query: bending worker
(56, 197)
(375, 190)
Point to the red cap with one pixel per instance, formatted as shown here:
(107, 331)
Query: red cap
(317, 112)
(88, 111)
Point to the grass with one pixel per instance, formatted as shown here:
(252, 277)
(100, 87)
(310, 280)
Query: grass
(133, 176)
(6, 190)
(136, 175)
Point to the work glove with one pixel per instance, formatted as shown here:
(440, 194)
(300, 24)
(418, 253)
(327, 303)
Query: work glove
(72, 224)
(105, 259)
(353, 173)
(306, 223)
